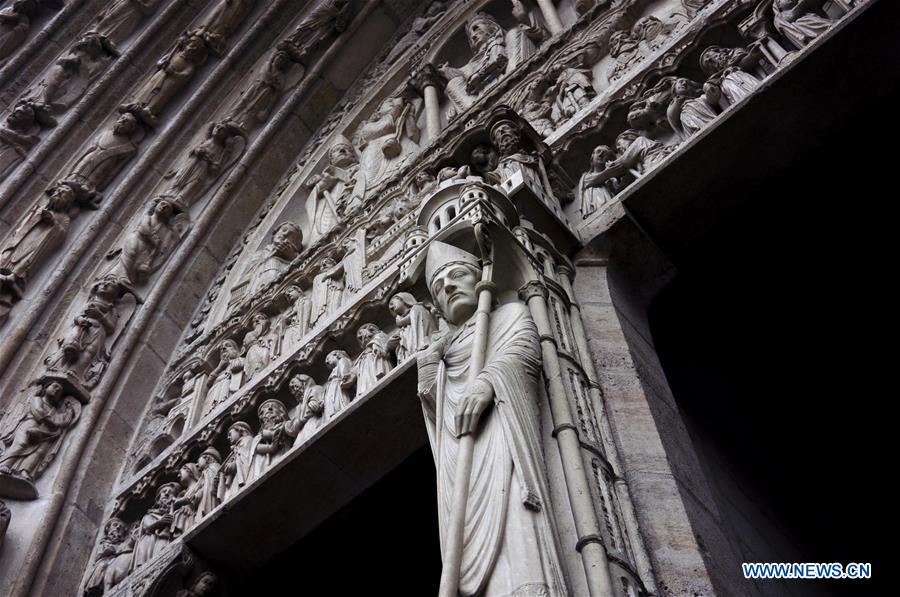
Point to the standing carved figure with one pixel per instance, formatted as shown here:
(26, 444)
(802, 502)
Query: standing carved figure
(235, 471)
(295, 321)
(489, 60)
(799, 21)
(115, 536)
(509, 544)
(311, 406)
(174, 72)
(121, 17)
(28, 447)
(227, 377)
(184, 508)
(415, 325)
(327, 290)
(15, 22)
(692, 108)
(388, 134)
(222, 21)
(209, 462)
(271, 441)
(155, 530)
(374, 362)
(255, 104)
(260, 345)
(82, 350)
(338, 388)
(340, 187)
(107, 153)
(325, 19)
(593, 195)
(15, 138)
(148, 245)
(728, 67)
(203, 164)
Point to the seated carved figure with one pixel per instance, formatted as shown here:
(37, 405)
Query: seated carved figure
(272, 260)
(488, 62)
(388, 134)
(692, 108)
(15, 22)
(338, 189)
(32, 436)
(799, 20)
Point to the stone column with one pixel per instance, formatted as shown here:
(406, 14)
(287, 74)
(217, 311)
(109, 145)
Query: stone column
(548, 9)
(587, 526)
(425, 79)
(635, 539)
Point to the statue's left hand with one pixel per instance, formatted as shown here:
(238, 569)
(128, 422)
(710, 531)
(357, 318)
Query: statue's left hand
(476, 401)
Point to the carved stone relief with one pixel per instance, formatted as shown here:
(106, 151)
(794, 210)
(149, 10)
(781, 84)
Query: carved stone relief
(489, 61)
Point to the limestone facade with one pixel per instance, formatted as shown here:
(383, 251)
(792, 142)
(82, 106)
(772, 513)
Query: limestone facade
(229, 231)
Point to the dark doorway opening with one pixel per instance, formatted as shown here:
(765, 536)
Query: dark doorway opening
(384, 542)
(776, 340)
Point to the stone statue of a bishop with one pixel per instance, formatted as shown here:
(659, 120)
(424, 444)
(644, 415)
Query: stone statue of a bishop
(510, 545)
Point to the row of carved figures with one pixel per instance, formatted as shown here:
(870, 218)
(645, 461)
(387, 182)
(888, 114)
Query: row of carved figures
(85, 344)
(265, 342)
(210, 481)
(676, 108)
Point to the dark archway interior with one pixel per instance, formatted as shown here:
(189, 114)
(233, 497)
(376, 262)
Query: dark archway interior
(776, 342)
(383, 542)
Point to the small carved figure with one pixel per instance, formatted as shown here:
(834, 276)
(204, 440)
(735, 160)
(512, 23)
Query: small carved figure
(271, 261)
(325, 19)
(222, 21)
(593, 195)
(30, 445)
(311, 406)
(203, 164)
(374, 362)
(255, 104)
(338, 388)
(209, 463)
(148, 245)
(423, 184)
(155, 531)
(487, 42)
(339, 188)
(15, 22)
(692, 109)
(107, 153)
(506, 137)
(15, 140)
(260, 345)
(175, 70)
(84, 60)
(82, 351)
(536, 106)
(271, 441)
(235, 471)
(419, 27)
(623, 49)
(799, 20)
(327, 290)
(483, 161)
(121, 17)
(524, 38)
(415, 325)
(728, 69)
(227, 377)
(204, 586)
(184, 508)
(108, 564)
(572, 88)
(295, 321)
(388, 134)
